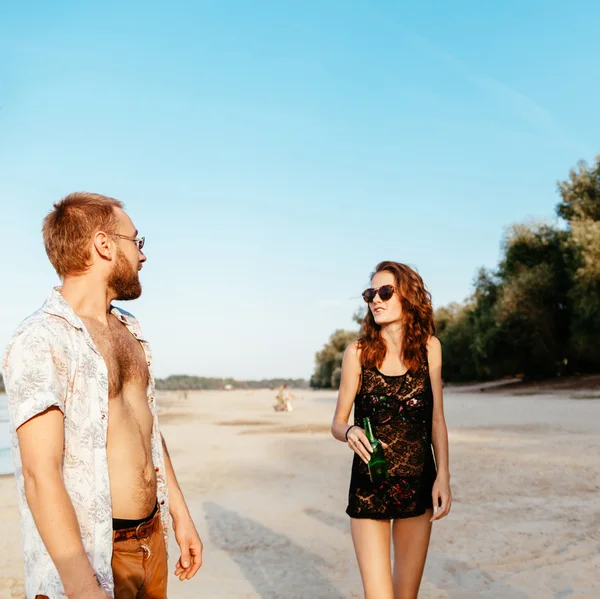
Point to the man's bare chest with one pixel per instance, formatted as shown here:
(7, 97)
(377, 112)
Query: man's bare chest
(123, 354)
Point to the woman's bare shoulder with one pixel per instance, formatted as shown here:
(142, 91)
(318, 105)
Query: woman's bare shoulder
(433, 343)
(353, 351)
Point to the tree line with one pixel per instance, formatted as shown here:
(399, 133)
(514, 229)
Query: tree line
(536, 315)
(181, 382)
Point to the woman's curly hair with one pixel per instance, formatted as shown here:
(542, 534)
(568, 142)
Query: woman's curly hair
(417, 317)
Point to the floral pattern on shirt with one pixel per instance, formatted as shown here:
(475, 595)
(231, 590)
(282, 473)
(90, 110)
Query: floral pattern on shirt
(52, 361)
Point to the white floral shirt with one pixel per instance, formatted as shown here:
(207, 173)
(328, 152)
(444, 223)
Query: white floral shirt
(52, 361)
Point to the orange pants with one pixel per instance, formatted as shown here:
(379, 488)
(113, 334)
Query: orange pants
(139, 562)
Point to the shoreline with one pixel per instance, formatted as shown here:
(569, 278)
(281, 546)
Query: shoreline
(575, 384)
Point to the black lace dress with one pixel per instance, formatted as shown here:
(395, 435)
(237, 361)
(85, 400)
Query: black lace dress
(400, 409)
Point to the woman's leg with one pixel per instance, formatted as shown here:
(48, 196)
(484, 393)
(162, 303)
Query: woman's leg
(411, 541)
(372, 546)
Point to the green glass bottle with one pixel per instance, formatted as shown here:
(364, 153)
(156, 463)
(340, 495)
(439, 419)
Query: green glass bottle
(377, 465)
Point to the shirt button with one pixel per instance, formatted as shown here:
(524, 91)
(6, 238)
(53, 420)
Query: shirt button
(148, 362)
(156, 469)
(162, 502)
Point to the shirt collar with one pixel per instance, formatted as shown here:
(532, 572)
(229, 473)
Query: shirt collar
(129, 321)
(57, 305)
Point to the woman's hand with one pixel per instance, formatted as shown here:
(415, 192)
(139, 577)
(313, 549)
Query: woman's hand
(441, 493)
(358, 442)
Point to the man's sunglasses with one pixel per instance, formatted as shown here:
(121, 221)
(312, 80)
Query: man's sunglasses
(385, 293)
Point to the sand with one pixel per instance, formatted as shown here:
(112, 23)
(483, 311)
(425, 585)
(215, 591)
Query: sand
(268, 493)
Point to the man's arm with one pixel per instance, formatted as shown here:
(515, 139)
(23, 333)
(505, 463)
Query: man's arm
(41, 442)
(177, 505)
(36, 376)
(185, 531)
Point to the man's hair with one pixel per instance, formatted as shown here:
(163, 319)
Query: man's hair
(69, 228)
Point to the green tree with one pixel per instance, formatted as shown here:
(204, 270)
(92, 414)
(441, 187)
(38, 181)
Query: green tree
(580, 193)
(580, 206)
(534, 311)
(328, 361)
(454, 329)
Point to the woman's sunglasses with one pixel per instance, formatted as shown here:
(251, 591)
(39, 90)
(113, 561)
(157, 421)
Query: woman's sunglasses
(385, 293)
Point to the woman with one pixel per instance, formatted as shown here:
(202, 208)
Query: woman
(393, 375)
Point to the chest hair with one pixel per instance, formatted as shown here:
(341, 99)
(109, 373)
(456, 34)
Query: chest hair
(122, 353)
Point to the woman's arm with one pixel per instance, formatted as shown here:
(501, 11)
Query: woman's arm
(349, 384)
(441, 489)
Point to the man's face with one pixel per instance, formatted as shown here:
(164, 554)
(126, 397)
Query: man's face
(124, 279)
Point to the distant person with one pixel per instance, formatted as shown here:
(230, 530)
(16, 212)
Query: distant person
(393, 376)
(94, 477)
(283, 400)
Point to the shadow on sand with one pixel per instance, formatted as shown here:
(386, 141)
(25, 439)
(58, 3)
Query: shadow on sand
(341, 523)
(274, 565)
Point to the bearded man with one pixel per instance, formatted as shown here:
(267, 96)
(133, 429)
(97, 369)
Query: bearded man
(95, 481)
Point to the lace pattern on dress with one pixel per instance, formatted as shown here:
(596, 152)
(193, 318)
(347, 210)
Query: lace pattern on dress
(400, 409)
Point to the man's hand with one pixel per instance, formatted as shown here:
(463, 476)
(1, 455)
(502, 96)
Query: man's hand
(190, 546)
(91, 589)
(186, 534)
(94, 593)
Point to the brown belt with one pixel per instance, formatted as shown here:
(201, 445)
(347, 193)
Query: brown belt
(140, 532)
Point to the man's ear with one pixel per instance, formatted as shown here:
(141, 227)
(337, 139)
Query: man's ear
(104, 245)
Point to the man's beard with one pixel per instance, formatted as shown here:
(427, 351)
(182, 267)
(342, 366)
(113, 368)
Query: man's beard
(124, 280)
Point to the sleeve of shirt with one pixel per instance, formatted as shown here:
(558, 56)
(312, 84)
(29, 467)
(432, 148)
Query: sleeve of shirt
(35, 373)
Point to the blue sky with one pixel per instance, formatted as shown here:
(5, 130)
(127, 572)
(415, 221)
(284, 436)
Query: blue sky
(273, 152)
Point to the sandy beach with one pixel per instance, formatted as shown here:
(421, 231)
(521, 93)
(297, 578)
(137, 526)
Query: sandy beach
(268, 493)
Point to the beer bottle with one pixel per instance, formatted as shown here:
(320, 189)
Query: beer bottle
(377, 466)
